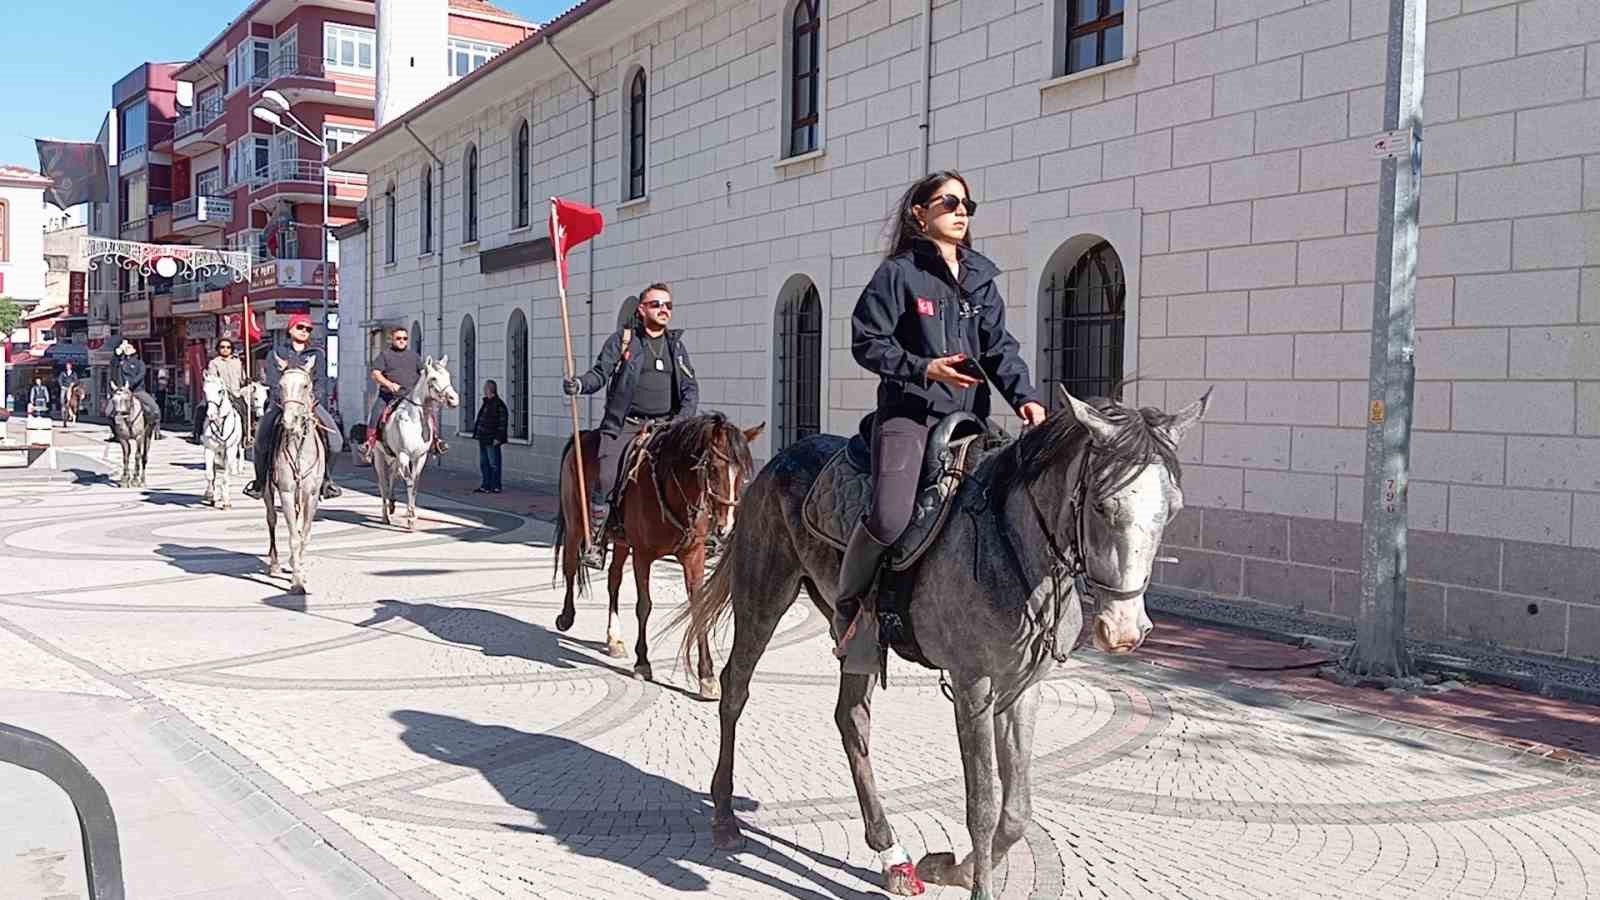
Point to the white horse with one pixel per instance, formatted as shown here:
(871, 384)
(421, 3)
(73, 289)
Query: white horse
(297, 469)
(224, 441)
(409, 434)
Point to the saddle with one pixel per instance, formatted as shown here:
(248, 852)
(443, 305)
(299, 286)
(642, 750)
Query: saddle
(633, 459)
(839, 497)
(436, 443)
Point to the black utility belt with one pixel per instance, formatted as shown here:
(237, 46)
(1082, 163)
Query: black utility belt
(645, 420)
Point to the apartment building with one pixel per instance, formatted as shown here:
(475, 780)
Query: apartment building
(245, 184)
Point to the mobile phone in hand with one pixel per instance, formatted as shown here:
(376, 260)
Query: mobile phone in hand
(970, 368)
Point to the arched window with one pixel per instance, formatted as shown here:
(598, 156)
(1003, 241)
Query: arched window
(522, 188)
(799, 363)
(425, 208)
(1083, 306)
(805, 72)
(469, 196)
(416, 336)
(389, 224)
(5, 231)
(516, 389)
(637, 135)
(467, 384)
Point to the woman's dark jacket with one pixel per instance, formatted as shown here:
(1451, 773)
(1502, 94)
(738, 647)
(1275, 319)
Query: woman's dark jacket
(913, 311)
(620, 379)
(493, 421)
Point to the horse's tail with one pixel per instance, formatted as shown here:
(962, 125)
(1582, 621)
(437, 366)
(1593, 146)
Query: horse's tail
(709, 607)
(582, 576)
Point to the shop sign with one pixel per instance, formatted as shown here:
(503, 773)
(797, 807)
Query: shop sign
(211, 301)
(203, 328)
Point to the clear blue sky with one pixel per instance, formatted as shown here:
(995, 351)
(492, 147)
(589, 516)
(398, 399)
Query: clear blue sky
(58, 68)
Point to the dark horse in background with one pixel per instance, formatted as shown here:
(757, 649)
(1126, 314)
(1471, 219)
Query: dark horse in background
(685, 481)
(1085, 495)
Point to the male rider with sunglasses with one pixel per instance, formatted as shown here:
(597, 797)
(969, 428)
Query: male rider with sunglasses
(298, 350)
(647, 380)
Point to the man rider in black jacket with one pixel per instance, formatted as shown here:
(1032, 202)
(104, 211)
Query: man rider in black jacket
(130, 371)
(649, 380)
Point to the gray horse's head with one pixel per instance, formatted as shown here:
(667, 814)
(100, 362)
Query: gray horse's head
(297, 394)
(1130, 482)
(1127, 510)
(436, 373)
(122, 402)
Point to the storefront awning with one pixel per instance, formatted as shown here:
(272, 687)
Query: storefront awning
(77, 354)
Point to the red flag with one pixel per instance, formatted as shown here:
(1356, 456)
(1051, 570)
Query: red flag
(570, 225)
(252, 328)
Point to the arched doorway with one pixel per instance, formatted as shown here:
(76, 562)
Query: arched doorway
(799, 363)
(1083, 314)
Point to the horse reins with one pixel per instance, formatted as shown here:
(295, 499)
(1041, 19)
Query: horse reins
(699, 508)
(1066, 564)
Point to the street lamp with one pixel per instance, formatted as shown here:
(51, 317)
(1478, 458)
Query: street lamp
(274, 117)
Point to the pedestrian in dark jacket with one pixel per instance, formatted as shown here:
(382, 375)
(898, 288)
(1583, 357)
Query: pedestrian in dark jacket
(491, 430)
(931, 324)
(39, 399)
(650, 380)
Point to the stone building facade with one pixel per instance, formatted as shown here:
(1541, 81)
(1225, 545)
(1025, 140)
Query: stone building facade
(1198, 210)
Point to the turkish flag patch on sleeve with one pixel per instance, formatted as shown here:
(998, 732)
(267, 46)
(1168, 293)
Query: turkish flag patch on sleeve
(925, 306)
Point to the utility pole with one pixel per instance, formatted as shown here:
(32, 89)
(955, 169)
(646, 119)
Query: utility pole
(1380, 648)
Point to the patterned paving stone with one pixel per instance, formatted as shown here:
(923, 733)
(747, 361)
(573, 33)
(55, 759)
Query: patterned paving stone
(419, 720)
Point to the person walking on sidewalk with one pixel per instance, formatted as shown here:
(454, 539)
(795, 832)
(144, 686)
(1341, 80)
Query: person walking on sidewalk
(491, 430)
(39, 399)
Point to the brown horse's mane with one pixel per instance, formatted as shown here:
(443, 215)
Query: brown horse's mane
(1139, 441)
(691, 439)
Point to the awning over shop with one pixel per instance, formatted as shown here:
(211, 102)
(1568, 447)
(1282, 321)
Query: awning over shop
(77, 354)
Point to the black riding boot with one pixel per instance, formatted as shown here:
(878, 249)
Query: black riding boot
(330, 488)
(858, 647)
(594, 554)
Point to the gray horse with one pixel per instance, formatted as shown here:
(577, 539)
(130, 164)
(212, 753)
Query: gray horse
(134, 432)
(297, 470)
(1087, 494)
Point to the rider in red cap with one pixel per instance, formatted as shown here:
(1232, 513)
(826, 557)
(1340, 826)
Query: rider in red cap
(298, 350)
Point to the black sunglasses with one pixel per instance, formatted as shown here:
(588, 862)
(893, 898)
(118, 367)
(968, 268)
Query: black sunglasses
(950, 203)
(660, 304)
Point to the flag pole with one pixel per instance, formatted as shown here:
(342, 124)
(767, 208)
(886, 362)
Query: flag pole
(572, 371)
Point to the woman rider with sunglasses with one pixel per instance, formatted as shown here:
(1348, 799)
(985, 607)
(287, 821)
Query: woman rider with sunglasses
(931, 324)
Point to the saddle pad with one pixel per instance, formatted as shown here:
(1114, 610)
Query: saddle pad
(838, 500)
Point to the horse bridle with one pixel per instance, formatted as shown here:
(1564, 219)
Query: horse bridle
(1066, 563)
(707, 498)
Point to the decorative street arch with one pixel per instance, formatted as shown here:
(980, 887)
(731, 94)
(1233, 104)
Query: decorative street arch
(167, 260)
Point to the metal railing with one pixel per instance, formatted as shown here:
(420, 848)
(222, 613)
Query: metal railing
(97, 823)
(201, 116)
(288, 65)
(308, 171)
(205, 207)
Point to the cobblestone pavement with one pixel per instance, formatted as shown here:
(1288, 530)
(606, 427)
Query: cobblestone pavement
(421, 718)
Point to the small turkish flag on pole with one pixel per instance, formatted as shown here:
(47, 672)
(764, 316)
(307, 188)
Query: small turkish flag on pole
(570, 225)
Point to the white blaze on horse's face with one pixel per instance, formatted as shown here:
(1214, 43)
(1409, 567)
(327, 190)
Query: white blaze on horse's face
(1122, 532)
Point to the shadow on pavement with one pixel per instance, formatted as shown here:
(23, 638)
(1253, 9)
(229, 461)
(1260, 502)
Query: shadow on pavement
(174, 498)
(602, 807)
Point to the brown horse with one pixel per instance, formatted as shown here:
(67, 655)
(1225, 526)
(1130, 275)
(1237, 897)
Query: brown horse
(71, 402)
(687, 482)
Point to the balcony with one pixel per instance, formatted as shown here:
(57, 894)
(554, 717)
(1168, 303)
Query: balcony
(200, 214)
(133, 158)
(300, 180)
(303, 78)
(135, 229)
(195, 132)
